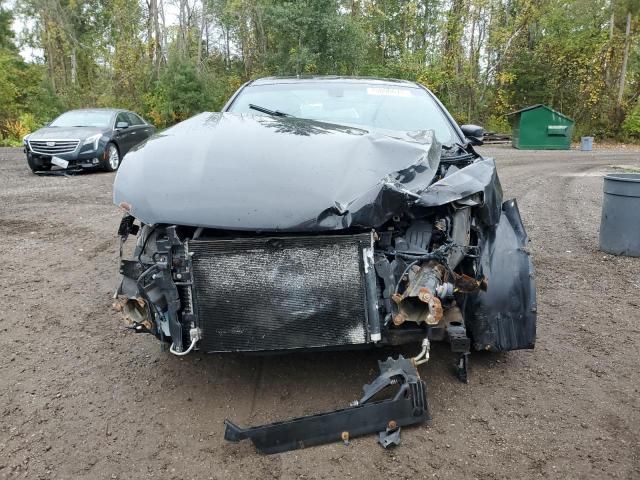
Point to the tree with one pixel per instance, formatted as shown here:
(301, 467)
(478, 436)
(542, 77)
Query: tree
(483, 58)
(26, 99)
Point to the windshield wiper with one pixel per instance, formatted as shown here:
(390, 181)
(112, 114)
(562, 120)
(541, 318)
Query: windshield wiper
(273, 113)
(457, 152)
(455, 146)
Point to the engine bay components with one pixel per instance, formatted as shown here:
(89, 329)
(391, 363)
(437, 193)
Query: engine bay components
(278, 246)
(419, 302)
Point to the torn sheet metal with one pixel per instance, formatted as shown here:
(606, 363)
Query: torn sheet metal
(244, 172)
(479, 177)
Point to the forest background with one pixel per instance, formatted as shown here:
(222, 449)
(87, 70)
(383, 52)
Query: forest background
(170, 59)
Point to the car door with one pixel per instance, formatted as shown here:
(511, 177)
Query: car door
(140, 130)
(122, 135)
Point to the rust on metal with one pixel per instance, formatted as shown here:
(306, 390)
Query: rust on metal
(134, 311)
(435, 306)
(399, 319)
(124, 205)
(419, 303)
(425, 295)
(466, 284)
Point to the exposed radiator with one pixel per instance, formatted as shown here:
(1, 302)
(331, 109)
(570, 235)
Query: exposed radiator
(253, 294)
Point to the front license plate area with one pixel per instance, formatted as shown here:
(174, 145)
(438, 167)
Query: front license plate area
(59, 162)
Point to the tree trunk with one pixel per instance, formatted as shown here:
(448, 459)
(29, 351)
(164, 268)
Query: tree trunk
(157, 35)
(181, 29)
(625, 59)
(201, 32)
(161, 33)
(227, 46)
(74, 66)
(611, 24)
(610, 52)
(261, 37)
(49, 55)
(149, 30)
(206, 36)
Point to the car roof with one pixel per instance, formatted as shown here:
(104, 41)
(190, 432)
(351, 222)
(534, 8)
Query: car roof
(110, 110)
(334, 78)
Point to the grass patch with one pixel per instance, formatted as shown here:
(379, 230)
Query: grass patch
(625, 168)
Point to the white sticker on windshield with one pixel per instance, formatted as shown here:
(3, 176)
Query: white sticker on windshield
(389, 92)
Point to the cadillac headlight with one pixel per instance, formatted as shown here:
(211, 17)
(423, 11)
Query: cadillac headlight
(95, 139)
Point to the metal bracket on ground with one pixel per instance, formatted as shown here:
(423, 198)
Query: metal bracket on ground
(407, 406)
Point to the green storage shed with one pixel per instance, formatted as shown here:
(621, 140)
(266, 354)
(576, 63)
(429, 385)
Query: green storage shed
(539, 127)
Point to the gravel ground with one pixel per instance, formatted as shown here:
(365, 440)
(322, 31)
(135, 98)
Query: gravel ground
(80, 397)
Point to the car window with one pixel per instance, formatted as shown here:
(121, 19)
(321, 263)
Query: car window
(388, 107)
(122, 117)
(83, 118)
(134, 119)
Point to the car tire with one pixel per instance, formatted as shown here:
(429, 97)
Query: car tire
(111, 157)
(35, 166)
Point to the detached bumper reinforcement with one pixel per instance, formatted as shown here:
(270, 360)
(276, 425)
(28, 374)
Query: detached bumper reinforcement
(407, 406)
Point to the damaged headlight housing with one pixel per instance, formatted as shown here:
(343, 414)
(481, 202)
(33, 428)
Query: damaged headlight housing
(93, 139)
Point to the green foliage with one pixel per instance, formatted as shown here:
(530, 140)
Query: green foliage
(631, 125)
(9, 89)
(482, 58)
(26, 101)
(6, 34)
(178, 94)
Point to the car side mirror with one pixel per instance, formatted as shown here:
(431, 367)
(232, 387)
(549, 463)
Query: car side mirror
(473, 133)
(122, 125)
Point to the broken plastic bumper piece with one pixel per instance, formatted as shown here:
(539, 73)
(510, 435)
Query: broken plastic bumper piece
(407, 406)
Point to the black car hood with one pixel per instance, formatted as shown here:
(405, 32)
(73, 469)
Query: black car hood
(245, 172)
(65, 133)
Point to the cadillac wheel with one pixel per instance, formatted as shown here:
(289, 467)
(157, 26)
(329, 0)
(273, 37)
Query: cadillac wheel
(111, 158)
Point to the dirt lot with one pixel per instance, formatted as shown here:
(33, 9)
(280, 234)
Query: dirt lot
(80, 397)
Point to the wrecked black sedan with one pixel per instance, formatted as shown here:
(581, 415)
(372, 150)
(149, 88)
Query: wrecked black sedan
(325, 213)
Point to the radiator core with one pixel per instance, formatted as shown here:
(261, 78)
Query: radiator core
(279, 293)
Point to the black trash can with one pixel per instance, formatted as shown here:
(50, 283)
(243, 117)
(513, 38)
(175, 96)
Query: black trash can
(620, 223)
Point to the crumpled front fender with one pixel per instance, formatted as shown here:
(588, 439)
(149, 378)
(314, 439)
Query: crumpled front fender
(504, 317)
